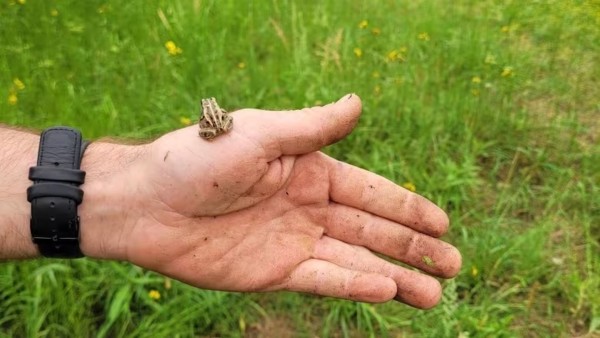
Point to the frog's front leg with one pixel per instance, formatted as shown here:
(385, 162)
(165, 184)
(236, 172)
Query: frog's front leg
(208, 133)
(227, 123)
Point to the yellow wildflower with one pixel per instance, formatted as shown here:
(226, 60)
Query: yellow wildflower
(403, 49)
(377, 89)
(475, 92)
(507, 71)
(13, 99)
(154, 294)
(363, 24)
(505, 29)
(394, 55)
(18, 84)
(376, 75)
(409, 186)
(358, 52)
(424, 36)
(22, 2)
(241, 65)
(376, 31)
(54, 12)
(476, 79)
(172, 48)
(490, 59)
(474, 271)
(186, 121)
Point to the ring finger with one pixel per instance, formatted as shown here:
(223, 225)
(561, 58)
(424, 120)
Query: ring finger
(413, 288)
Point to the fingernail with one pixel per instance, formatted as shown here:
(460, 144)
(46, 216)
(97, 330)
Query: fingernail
(345, 97)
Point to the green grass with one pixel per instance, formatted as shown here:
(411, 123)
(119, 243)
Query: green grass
(514, 159)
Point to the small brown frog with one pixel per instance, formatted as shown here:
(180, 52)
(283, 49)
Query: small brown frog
(214, 121)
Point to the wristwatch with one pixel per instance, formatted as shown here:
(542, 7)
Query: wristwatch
(55, 193)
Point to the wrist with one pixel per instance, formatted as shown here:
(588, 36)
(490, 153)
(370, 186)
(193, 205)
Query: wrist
(109, 209)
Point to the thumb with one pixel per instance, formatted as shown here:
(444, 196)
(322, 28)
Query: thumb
(299, 131)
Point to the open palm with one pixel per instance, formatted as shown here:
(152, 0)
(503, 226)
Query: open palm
(261, 209)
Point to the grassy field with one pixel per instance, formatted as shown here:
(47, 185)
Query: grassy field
(489, 108)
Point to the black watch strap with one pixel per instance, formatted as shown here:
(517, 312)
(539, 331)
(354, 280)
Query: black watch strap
(55, 193)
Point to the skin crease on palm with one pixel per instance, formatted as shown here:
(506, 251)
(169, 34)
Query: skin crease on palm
(261, 209)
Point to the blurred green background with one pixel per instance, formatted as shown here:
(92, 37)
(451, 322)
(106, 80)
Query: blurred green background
(489, 108)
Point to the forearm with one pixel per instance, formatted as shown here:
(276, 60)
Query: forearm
(18, 151)
(103, 212)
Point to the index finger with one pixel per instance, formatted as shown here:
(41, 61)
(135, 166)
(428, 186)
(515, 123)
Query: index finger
(370, 192)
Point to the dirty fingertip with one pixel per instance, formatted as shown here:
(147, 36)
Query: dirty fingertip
(423, 295)
(348, 97)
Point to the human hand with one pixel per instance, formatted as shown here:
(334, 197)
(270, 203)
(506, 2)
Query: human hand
(261, 209)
